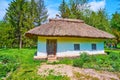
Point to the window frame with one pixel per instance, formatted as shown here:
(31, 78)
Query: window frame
(76, 47)
(94, 46)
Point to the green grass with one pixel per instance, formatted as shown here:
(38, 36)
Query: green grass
(113, 50)
(21, 66)
(118, 46)
(67, 61)
(110, 62)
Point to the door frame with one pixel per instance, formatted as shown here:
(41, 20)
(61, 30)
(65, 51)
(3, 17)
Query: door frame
(55, 46)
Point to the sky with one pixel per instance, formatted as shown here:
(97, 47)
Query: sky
(111, 6)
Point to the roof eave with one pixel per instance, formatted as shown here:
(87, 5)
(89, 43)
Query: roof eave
(31, 35)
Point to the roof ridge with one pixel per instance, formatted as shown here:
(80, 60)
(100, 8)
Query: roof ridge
(67, 20)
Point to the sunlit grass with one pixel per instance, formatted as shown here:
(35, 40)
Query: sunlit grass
(27, 67)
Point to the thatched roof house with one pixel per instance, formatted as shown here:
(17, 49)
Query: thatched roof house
(68, 37)
(68, 28)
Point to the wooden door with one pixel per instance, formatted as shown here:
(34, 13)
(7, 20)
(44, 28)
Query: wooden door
(51, 46)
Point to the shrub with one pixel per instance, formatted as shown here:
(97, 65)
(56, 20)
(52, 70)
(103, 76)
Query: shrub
(114, 56)
(116, 66)
(78, 62)
(85, 57)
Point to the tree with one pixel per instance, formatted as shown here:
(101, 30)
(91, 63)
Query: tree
(63, 9)
(6, 39)
(99, 20)
(16, 14)
(79, 9)
(41, 12)
(73, 9)
(115, 25)
(23, 15)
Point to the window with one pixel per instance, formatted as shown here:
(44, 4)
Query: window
(76, 47)
(93, 46)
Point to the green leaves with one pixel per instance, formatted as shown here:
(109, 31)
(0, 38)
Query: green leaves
(109, 62)
(115, 25)
(115, 21)
(79, 62)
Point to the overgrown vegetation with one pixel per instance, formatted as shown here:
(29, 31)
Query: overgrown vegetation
(80, 61)
(107, 62)
(110, 62)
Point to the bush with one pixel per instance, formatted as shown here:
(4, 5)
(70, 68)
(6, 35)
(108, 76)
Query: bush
(114, 56)
(116, 66)
(109, 62)
(85, 57)
(78, 62)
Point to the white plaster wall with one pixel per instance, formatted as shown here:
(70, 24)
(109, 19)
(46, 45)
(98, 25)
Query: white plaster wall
(65, 46)
(67, 49)
(41, 48)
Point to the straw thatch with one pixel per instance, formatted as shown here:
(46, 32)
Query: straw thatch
(68, 28)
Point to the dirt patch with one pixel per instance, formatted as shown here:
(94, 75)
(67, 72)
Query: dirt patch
(76, 73)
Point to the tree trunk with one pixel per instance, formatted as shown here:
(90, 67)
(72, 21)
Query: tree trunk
(20, 41)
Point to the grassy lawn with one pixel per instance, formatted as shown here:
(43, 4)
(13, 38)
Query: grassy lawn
(19, 65)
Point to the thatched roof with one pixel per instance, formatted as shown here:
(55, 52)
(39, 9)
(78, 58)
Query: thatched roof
(68, 28)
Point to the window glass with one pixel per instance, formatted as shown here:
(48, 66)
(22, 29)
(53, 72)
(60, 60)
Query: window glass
(93, 46)
(76, 46)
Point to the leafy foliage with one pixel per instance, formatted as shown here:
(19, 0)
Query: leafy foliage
(109, 62)
(115, 24)
(81, 60)
(98, 19)
(78, 62)
(5, 33)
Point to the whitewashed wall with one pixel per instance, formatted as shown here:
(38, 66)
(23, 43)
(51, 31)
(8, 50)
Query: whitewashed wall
(65, 46)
